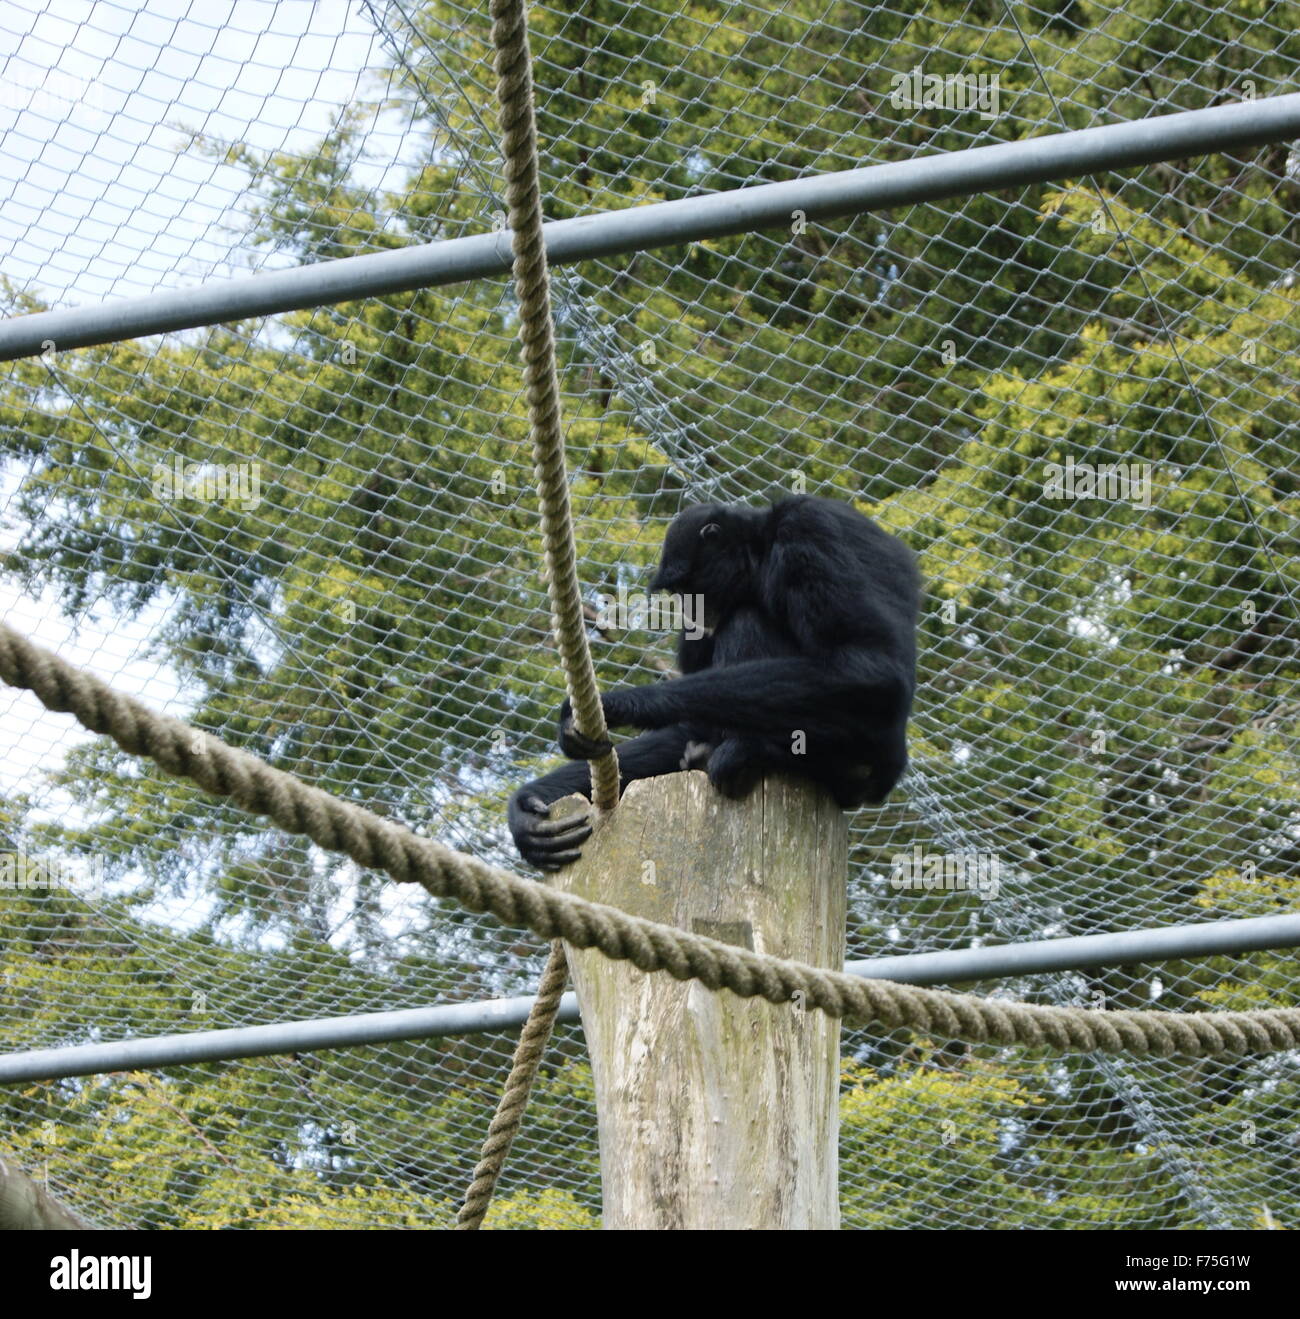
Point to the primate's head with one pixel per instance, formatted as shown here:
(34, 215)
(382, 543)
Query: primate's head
(712, 551)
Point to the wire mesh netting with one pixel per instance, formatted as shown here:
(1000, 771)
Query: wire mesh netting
(315, 535)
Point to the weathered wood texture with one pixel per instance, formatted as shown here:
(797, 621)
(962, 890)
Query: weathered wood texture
(25, 1205)
(715, 1111)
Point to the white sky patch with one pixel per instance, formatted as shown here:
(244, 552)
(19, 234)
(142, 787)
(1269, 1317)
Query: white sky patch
(103, 198)
(34, 739)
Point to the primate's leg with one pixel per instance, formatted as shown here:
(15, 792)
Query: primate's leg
(870, 774)
(852, 775)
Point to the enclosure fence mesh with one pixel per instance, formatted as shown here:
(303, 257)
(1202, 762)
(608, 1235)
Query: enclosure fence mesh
(315, 535)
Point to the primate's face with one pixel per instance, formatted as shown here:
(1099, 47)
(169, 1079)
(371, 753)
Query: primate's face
(707, 558)
(687, 545)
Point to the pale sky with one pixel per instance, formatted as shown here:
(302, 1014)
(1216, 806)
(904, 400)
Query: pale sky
(97, 100)
(101, 199)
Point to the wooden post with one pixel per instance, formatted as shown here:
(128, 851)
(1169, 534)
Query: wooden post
(715, 1111)
(26, 1205)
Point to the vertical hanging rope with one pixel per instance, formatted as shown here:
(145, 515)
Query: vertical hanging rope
(514, 1099)
(541, 383)
(542, 391)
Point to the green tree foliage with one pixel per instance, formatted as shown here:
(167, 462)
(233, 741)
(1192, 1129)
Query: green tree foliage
(1107, 694)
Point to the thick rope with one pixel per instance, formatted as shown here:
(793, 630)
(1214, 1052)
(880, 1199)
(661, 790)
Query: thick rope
(339, 826)
(541, 383)
(523, 1070)
(542, 390)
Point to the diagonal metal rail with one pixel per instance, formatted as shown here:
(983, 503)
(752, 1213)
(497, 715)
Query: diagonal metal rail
(667, 224)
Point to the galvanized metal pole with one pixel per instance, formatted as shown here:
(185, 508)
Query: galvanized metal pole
(666, 224)
(498, 1014)
(948, 968)
(1083, 952)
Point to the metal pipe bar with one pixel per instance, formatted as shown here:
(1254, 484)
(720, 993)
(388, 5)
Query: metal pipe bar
(1083, 952)
(280, 1037)
(665, 224)
(960, 965)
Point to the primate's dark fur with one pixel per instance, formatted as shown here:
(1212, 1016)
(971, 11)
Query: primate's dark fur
(808, 666)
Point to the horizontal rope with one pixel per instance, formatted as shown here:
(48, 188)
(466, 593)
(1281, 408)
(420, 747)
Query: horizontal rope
(339, 826)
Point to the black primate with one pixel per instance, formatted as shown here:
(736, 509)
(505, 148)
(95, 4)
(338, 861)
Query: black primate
(807, 665)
